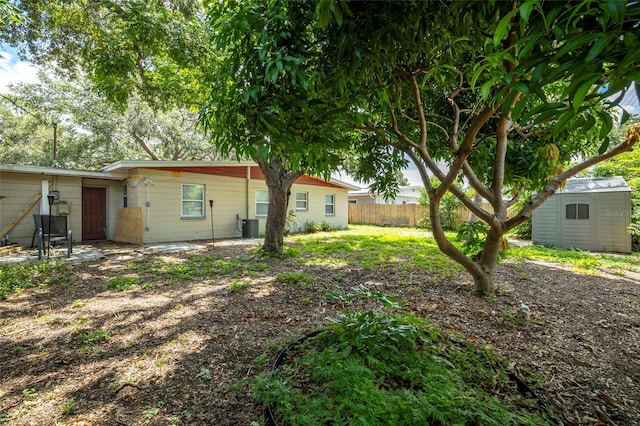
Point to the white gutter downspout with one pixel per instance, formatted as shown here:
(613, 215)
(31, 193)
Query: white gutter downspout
(148, 182)
(44, 203)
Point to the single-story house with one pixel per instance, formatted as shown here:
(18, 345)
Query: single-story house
(588, 213)
(158, 201)
(406, 195)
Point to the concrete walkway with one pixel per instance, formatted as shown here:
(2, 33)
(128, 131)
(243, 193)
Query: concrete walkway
(90, 253)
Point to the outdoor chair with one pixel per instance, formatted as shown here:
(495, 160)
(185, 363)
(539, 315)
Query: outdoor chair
(53, 230)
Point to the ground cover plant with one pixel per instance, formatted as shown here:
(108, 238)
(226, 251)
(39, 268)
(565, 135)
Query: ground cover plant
(183, 344)
(416, 375)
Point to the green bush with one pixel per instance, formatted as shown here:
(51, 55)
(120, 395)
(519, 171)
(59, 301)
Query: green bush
(375, 367)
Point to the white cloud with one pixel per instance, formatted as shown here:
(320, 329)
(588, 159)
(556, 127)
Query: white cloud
(13, 70)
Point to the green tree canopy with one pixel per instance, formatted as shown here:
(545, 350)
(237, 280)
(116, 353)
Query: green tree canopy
(510, 95)
(267, 100)
(90, 131)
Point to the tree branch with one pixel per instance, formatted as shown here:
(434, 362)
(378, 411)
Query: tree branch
(144, 146)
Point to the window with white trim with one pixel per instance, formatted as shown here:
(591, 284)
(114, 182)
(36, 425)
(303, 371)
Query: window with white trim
(577, 211)
(262, 202)
(192, 201)
(302, 201)
(329, 205)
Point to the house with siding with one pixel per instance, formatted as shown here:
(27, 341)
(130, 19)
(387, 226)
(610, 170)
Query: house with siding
(406, 195)
(158, 201)
(588, 213)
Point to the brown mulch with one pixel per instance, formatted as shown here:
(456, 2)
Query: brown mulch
(184, 354)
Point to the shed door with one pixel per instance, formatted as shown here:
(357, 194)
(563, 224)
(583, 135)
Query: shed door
(94, 213)
(577, 217)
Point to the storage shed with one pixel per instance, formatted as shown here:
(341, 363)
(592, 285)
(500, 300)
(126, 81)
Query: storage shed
(588, 213)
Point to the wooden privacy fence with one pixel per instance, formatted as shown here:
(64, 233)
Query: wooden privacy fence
(408, 215)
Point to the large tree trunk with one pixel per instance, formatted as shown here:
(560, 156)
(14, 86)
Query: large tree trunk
(279, 180)
(482, 271)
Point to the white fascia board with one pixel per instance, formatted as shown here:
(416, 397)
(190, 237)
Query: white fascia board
(39, 170)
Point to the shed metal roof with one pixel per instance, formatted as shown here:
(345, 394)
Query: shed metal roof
(605, 184)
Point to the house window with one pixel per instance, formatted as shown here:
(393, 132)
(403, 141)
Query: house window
(301, 200)
(125, 202)
(192, 201)
(329, 205)
(577, 211)
(353, 201)
(262, 202)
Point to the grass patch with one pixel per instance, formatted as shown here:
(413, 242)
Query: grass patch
(16, 278)
(296, 279)
(415, 373)
(122, 283)
(375, 247)
(238, 285)
(580, 260)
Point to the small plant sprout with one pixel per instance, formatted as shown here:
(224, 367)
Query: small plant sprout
(69, 406)
(204, 373)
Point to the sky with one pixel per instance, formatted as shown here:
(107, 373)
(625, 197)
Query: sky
(12, 70)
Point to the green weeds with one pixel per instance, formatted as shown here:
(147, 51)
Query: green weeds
(16, 278)
(91, 338)
(414, 372)
(581, 261)
(295, 279)
(122, 283)
(69, 406)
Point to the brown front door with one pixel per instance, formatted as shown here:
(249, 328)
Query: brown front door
(94, 213)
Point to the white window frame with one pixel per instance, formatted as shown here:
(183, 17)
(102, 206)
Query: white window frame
(183, 200)
(332, 204)
(262, 203)
(305, 201)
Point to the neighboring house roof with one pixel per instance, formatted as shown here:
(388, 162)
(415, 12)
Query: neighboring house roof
(219, 168)
(589, 185)
(412, 191)
(39, 170)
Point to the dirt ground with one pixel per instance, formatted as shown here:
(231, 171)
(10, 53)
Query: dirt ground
(184, 354)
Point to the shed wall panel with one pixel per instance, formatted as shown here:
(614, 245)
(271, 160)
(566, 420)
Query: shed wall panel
(545, 223)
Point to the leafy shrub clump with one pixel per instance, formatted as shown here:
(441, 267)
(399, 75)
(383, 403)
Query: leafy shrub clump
(368, 367)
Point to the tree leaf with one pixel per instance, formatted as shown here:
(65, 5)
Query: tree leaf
(604, 145)
(525, 9)
(597, 47)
